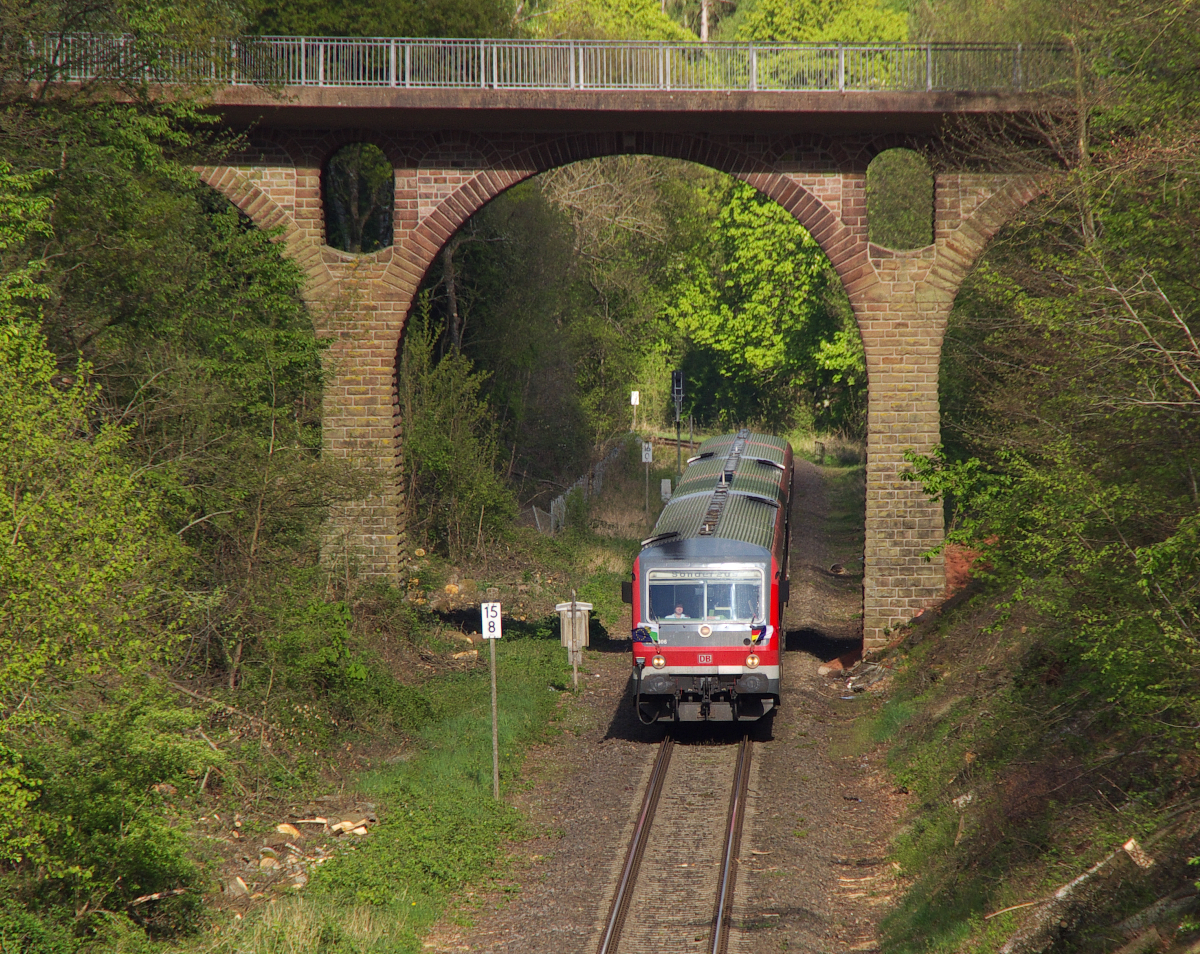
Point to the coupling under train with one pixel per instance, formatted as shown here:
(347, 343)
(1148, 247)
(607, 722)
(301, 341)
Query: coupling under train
(710, 584)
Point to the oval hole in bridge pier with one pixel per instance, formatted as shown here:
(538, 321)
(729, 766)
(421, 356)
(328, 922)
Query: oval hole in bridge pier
(358, 189)
(900, 200)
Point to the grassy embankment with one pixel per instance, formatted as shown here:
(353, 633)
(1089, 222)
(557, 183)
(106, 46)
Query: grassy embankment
(1025, 779)
(440, 828)
(440, 832)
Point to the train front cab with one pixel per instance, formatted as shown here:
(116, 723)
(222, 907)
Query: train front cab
(706, 644)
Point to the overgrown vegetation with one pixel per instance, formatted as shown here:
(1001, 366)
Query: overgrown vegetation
(599, 278)
(443, 830)
(171, 646)
(1059, 705)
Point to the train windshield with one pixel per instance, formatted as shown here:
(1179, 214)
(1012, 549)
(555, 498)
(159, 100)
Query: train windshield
(706, 594)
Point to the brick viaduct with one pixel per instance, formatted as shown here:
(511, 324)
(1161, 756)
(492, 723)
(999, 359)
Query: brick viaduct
(454, 150)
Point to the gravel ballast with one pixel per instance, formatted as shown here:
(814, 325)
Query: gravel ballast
(813, 872)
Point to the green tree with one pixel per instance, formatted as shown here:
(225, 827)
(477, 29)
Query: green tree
(900, 200)
(435, 18)
(607, 20)
(520, 297)
(753, 312)
(358, 186)
(818, 21)
(83, 548)
(192, 322)
(89, 592)
(450, 452)
(1070, 376)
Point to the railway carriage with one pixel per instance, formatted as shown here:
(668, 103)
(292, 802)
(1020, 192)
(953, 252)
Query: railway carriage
(710, 583)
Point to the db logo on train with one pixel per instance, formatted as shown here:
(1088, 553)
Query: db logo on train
(704, 659)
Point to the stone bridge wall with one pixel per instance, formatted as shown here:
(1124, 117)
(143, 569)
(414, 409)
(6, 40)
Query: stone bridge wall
(901, 299)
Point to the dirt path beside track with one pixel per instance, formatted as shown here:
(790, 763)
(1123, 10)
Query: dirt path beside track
(813, 874)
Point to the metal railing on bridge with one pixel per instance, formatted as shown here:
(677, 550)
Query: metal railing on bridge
(561, 64)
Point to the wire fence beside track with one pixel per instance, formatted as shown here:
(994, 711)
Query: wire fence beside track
(558, 64)
(588, 485)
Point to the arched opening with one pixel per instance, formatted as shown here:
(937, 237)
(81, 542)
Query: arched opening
(358, 195)
(900, 200)
(571, 290)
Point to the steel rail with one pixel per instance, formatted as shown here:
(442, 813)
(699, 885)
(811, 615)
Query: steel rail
(637, 847)
(723, 912)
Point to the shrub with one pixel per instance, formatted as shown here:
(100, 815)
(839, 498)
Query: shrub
(450, 448)
(112, 783)
(24, 932)
(311, 653)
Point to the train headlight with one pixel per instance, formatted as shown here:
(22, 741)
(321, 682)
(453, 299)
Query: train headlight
(752, 661)
(658, 662)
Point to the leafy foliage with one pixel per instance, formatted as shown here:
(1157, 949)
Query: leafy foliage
(756, 316)
(819, 21)
(900, 200)
(83, 542)
(358, 187)
(159, 447)
(108, 822)
(466, 18)
(1070, 384)
(311, 651)
(600, 277)
(452, 487)
(1071, 415)
(609, 20)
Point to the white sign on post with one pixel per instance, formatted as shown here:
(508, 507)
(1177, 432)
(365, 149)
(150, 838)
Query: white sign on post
(491, 630)
(635, 398)
(647, 452)
(491, 620)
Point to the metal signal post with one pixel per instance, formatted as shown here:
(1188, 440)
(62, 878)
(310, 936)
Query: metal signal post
(677, 394)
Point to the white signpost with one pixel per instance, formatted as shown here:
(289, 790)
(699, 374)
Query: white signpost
(635, 398)
(492, 630)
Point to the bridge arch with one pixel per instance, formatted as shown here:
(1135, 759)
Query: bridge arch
(900, 298)
(845, 252)
(259, 201)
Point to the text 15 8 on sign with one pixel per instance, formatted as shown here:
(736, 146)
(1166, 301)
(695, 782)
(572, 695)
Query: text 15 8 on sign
(491, 620)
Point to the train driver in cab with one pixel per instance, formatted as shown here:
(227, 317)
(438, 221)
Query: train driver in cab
(679, 613)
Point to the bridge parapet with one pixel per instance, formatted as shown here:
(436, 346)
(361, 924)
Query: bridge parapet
(509, 64)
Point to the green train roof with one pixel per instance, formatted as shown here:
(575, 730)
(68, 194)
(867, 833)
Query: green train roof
(743, 509)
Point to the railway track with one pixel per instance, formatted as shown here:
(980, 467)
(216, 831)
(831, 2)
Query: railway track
(684, 900)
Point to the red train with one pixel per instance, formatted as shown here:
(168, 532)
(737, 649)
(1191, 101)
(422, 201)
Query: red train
(710, 584)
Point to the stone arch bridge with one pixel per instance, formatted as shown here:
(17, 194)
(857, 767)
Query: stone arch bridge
(456, 146)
